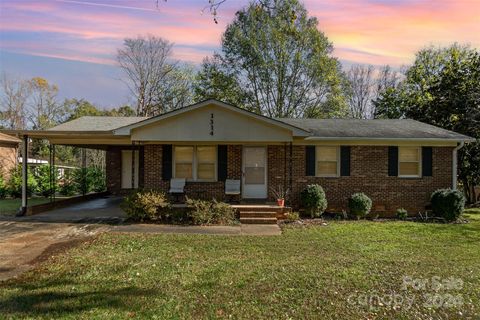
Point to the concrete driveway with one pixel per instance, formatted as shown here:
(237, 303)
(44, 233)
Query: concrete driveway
(104, 210)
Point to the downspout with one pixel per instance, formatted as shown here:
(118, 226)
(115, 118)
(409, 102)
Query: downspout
(455, 164)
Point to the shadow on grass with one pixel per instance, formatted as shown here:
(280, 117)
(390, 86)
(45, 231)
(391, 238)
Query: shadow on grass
(66, 300)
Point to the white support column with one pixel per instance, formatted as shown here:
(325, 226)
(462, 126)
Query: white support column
(23, 209)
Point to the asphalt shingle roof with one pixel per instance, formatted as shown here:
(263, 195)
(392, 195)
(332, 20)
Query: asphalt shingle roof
(97, 123)
(321, 128)
(376, 128)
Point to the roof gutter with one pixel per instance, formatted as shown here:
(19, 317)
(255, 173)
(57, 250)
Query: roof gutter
(455, 164)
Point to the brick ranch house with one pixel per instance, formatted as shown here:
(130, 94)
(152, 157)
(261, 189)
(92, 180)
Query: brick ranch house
(397, 163)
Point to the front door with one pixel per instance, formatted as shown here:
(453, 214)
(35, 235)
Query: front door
(127, 169)
(254, 173)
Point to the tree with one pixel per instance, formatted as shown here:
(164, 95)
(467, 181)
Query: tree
(77, 108)
(281, 62)
(157, 83)
(442, 88)
(361, 89)
(212, 82)
(13, 102)
(44, 110)
(123, 111)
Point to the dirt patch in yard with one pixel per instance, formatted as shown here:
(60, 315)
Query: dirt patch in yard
(25, 244)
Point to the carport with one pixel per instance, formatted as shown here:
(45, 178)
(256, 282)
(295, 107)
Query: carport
(87, 132)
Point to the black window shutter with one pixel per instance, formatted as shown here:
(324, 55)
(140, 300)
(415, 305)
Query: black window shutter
(310, 161)
(393, 161)
(345, 160)
(167, 162)
(427, 161)
(222, 162)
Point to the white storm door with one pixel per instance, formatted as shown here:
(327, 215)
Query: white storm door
(254, 173)
(127, 169)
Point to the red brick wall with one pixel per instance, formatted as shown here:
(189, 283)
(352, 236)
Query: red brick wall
(152, 172)
(114, 169)
(369, 174)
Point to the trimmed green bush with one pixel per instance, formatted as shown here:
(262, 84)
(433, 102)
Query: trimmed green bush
(45, 185)
(402, 214)
(448, 203)
(360, 205)
(145, 205)
(14, 184)
(210, 212)
(314, 200)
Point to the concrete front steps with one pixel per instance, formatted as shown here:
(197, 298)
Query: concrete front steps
(261, 214)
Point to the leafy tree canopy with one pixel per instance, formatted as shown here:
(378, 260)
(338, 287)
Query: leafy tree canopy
(279, 63)
(442, 88)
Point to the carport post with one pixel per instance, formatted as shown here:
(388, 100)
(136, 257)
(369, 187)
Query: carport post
(23, 209)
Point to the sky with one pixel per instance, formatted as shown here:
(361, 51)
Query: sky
(73, 43)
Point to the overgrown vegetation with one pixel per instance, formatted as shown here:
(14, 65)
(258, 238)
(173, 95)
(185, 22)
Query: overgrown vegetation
(151, 205)
(145, 205)
(314, 200)
(210, 212)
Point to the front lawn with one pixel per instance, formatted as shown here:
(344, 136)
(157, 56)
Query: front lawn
(318, 272)
(11, 206)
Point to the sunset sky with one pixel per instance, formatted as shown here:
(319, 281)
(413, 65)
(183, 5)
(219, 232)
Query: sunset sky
(73, 42)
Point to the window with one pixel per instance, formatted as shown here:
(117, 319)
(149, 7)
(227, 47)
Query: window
(195, 162)
(206, 157)
(184, 162)
(327, 161)
(409, 159)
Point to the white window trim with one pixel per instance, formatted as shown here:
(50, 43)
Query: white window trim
(338, 163)
(419, 175)
(195, 163)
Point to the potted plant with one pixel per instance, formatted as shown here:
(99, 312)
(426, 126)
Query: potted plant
(280, 194)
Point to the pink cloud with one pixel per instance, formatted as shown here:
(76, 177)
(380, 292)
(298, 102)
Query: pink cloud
(361, 30)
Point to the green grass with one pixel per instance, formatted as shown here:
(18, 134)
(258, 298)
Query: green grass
(10, 206)
(304, 273)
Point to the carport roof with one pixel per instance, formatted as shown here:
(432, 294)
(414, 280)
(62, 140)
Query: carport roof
(97, 123)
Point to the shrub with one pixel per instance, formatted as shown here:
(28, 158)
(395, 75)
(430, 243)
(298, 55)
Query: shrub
(3, 188)
(292, 216)
(67, 188)
(96, 179)
(210, 212)
(144, 205)
(360, 205)
(402, 214)
(448, 203)
(314, 200)
(47, 180)
(14, 184)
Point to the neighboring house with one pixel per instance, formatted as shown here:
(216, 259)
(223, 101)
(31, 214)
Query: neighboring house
(8, 154)
(398, 163)
(61, 169)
